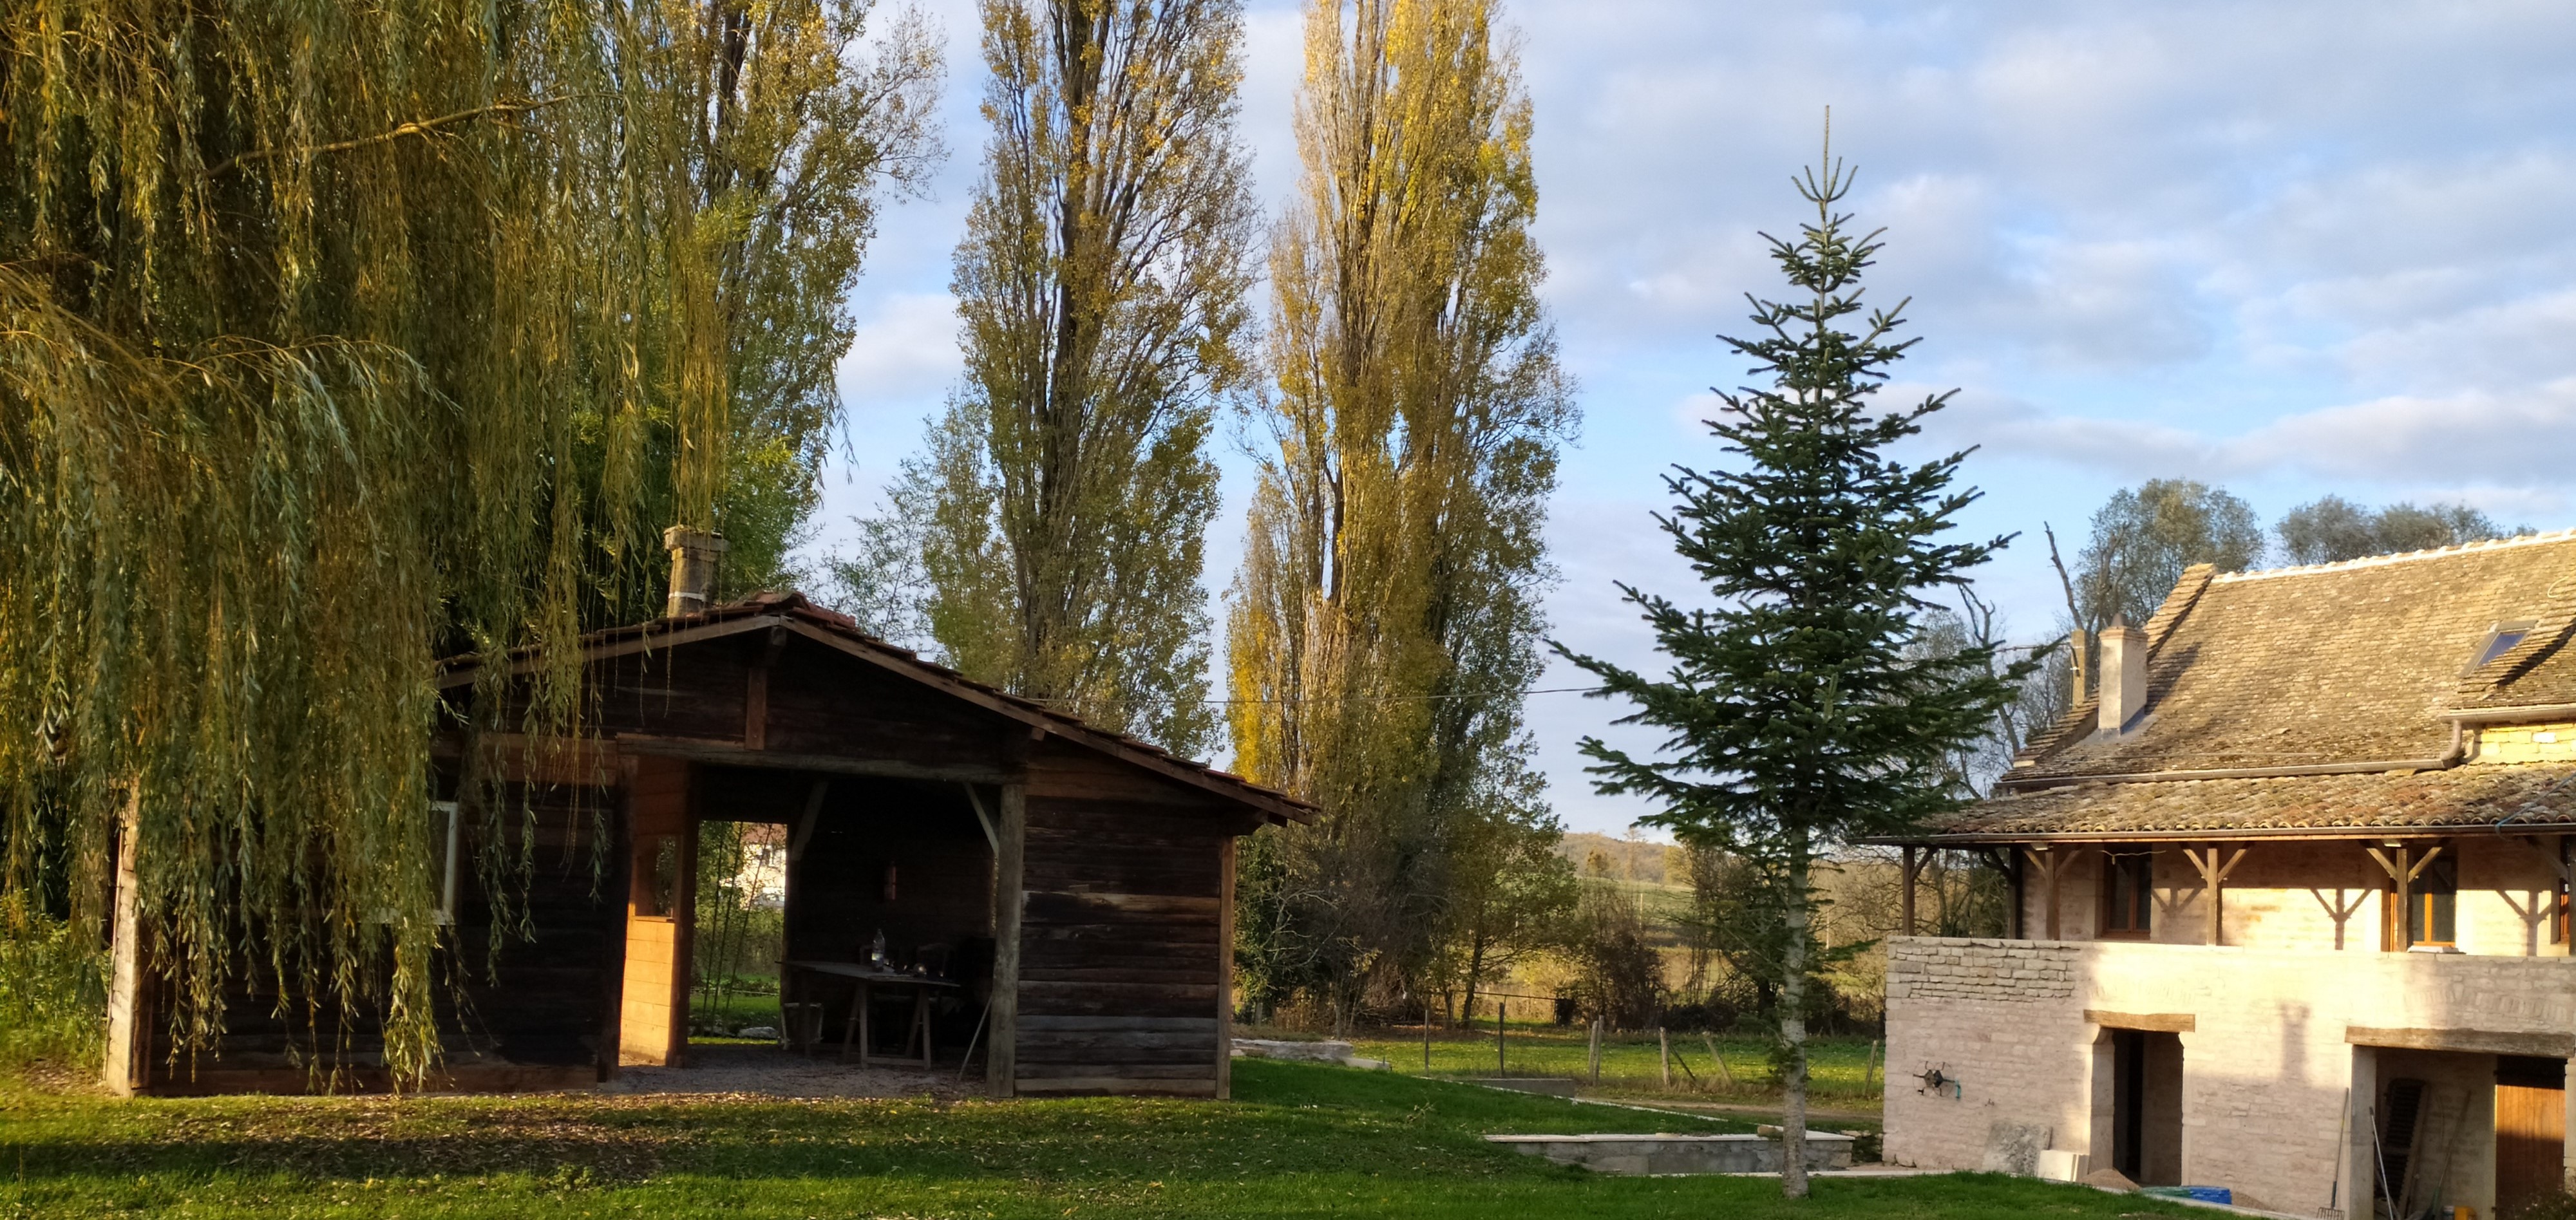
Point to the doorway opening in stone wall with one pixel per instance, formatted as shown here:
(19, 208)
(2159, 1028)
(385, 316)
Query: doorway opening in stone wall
(2530, 1130)
(2146, 1106)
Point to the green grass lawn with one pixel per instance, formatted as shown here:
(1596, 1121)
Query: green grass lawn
(1298, 1141)
(736, 1011)
(1629, 1064)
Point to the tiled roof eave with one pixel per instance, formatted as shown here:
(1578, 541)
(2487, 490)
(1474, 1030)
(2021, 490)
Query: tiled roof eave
(2495, 798)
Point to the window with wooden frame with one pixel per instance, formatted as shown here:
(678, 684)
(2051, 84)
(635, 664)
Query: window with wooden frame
(2431, 911)
(2128, 893)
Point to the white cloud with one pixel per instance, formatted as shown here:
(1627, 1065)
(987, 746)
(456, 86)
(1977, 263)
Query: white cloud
(2525, 439)
(905, 351)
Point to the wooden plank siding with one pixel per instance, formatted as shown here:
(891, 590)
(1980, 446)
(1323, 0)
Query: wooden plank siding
(536, 1014)
(1125, 955)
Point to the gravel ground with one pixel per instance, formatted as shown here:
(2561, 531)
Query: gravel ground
(774, 1072)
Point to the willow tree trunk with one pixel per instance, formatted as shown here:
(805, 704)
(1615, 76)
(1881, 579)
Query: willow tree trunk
(1793, 1036)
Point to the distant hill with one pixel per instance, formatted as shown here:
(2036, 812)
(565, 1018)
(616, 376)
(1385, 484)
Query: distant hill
(1623, 859)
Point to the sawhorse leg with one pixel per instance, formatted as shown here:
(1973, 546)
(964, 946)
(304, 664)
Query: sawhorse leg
(855, 1030)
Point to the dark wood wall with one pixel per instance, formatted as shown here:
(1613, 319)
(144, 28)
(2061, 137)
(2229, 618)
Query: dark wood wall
(1126, 945)
(536, 1015)
(943, 873)
(787, 695)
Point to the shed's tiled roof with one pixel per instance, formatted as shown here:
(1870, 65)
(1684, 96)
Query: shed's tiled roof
(2462, 797)
(2355, 667)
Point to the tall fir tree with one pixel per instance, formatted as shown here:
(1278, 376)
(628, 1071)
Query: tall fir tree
(1796, 716)
(1061, 506)
(1386, 619)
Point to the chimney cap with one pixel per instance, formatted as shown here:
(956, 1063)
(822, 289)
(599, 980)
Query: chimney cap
(679, 536)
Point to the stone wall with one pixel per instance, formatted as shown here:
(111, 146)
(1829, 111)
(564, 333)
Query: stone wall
(2267, 1066)
(2523, 743)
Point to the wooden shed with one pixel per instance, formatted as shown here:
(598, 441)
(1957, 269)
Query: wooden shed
(1064, 895)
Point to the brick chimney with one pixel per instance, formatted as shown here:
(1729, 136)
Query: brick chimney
(694, 554)
(2122, 686)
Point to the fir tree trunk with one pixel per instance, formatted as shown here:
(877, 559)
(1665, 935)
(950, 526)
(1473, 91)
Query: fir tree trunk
(1793, 1035)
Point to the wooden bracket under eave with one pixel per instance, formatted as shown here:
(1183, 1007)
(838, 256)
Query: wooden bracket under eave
(2213, 876)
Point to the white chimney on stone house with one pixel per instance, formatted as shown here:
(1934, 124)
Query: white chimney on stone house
(2122, 687)
(694, 554)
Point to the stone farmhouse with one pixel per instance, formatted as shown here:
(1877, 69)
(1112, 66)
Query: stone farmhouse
(2290, 901)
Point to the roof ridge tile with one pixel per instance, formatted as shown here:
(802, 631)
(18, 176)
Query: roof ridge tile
(2373, 561)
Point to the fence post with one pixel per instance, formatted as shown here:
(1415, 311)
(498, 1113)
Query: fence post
(1596, 1050)
(1426, 1037)
(1724, 1072)
(1664, 1044)
(1502, 1012)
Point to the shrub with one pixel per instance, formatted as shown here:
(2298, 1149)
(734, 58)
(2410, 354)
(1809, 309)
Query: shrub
(53, 994)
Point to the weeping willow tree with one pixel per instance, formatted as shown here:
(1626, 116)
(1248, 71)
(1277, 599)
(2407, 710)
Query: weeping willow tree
(336, 338)
(1385, 620)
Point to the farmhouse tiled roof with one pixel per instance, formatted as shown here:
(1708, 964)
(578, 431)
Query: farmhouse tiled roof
(2485, 797)
(2321, 697)
(2338, 663)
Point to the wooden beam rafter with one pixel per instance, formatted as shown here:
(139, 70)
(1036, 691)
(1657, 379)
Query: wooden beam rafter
(2213, 877)
(2402, 871)
(2050, 865)
(1912, 866)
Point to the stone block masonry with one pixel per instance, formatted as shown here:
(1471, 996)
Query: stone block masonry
(2016, 1032)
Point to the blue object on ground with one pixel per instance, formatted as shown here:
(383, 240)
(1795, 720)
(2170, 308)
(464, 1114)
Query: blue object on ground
(2200, 1194)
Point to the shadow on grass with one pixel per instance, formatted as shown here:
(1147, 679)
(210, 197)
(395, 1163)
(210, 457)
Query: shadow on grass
(1299, 1141)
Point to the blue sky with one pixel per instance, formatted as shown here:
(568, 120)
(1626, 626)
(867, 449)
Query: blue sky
(2289, 248)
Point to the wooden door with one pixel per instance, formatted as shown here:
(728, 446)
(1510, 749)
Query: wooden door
(2530, 1130)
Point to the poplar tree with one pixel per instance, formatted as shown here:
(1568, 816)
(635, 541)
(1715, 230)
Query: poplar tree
(1385, 621)
(1796, 717)
(1062, 502)
(338, 338)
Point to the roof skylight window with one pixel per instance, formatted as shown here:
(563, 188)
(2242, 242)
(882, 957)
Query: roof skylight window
(2501, 639)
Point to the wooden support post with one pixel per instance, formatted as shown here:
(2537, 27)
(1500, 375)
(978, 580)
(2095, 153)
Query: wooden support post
(1912, 867)
(2213, 877)
(1502, 1013)
(1225, 970)
(2049, 864)
(1664, 1051)
(128, 1062)
(1001, 1055)
(620, 879)
(1724, 1072)
(1595, 1057)
(685, 927)
(2008, 862)
(2403, 873)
